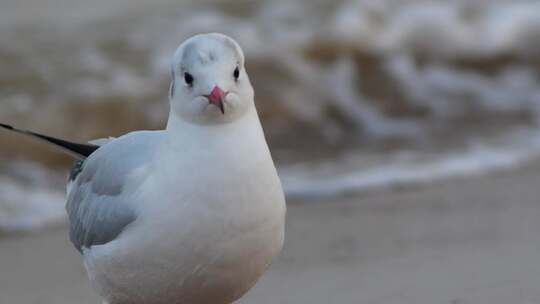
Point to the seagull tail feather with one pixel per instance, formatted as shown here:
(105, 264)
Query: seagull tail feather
(77, 150)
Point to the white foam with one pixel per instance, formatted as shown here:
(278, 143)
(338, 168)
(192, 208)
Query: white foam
(307, 182)
(28, 200)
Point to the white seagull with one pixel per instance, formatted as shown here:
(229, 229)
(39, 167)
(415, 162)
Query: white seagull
(192, 214)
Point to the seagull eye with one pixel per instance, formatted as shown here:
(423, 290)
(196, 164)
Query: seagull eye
(236, 73)
(188, 78)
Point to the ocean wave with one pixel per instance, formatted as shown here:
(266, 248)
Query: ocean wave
(337, 78)
(343, 177)
(29, 200)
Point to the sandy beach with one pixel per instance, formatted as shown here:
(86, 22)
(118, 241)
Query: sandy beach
(473, 240)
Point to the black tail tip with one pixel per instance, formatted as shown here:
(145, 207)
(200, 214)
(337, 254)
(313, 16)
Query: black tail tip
(6, 126)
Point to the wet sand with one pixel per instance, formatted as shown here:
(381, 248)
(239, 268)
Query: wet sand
(473, 240)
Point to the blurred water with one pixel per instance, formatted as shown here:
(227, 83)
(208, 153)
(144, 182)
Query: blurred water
(354, 95)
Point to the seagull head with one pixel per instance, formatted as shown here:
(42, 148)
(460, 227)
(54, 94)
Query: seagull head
(209, 82)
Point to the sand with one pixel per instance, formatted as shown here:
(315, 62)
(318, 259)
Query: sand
(473, 240)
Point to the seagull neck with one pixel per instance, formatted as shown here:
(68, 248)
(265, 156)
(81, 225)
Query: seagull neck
(182, 135)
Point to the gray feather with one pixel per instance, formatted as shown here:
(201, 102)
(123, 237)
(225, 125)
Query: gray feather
(76, 169)
(96, 221)
(98, 206)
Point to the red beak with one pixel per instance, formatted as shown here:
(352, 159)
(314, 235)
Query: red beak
(217, 97)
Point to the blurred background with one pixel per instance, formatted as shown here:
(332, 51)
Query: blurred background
(358, 99)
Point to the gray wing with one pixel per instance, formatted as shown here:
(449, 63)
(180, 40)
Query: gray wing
(99, 207)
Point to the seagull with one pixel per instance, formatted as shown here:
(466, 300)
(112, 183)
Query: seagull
(192, 214)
